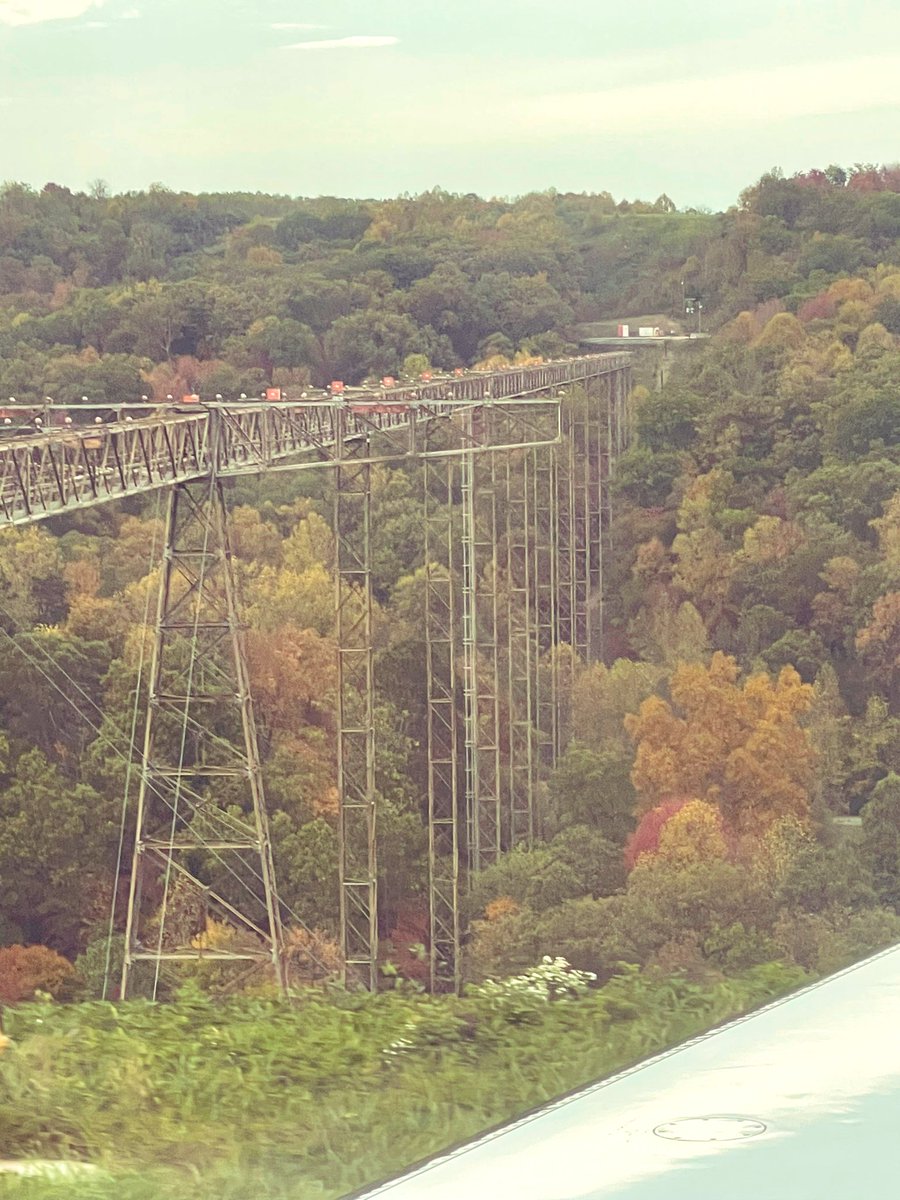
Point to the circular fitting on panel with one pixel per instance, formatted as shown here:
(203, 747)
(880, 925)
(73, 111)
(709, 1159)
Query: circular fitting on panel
(718, 1128)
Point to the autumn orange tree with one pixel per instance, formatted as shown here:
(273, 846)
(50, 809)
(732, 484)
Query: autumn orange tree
(738, 745)
(25, 970)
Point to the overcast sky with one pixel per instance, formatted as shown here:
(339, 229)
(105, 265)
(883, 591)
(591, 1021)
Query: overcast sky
(374, 97)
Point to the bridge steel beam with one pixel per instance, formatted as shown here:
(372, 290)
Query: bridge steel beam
(139, 447)
(358, 868)
(441, 648)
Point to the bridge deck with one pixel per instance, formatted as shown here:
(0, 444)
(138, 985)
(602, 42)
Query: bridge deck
(61, 469)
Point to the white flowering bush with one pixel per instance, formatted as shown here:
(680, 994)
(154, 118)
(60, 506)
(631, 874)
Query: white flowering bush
(552, 979)
(479, 1018)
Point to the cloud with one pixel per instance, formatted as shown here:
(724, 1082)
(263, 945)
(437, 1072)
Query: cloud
(357, 42)
(721, 101)
(294, 25)
(34, 12)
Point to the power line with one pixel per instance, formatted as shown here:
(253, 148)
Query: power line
(198, 809)
(128, 772)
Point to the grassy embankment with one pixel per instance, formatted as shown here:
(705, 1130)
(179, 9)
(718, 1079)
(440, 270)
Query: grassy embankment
(255, 1098)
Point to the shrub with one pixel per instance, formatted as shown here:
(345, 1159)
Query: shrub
(25, 970)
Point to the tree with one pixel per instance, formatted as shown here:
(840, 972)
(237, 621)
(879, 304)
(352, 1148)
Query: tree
(520, 305)
(168, 319)
(865, 408)
(505, 945)
(873, 751)
(47, 679)
(667, 632)
(372, 342)
(577, 862)
(31, 590)
(592, 788)
(602, 697)
(881, 838)
(676, 905)
(824, 878)
(695, 833)
(703, 568)
(56, 852)
(25, 970)
(887, 528)
(829, 730)
(645, 839)
(739, 746)
(878, 644)
(306, 863)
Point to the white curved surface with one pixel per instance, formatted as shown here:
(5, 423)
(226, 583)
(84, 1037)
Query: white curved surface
(819, 1070)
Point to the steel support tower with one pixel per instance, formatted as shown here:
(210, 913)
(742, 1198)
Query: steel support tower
(480, 669)
(441, 641)
(516, 467)
(201, 790)
(358, 868)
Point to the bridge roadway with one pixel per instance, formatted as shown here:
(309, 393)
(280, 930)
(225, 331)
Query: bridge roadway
(59, 470)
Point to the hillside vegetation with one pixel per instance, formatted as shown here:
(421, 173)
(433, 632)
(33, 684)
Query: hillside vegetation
(248, 1097)
(750, 695)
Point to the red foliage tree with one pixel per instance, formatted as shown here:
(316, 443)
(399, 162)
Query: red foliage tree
(645, 839)
(866, 179)
(812, 179)
(818, 308)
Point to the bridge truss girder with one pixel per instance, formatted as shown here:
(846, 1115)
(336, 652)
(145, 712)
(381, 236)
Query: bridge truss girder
(139, 447)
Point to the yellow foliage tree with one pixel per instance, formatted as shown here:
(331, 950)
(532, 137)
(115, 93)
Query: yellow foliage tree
(740, 747)
(276, 597)
(783, 332)
(693, 834)
(310, 544)
(772, 540)
(703, 567)
(779, 849)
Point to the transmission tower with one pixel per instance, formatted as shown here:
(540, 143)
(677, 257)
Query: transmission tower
(201, 796)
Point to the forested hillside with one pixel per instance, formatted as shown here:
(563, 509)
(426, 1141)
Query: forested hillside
(750, 689)
(117, 296)
(750, 693)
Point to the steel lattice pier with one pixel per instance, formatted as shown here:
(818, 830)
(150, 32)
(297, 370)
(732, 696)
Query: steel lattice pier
(516, 527)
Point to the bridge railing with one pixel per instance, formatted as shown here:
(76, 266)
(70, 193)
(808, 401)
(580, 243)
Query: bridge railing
(62, 470)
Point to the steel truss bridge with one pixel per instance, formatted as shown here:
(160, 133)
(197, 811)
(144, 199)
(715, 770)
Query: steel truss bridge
(515, 467)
